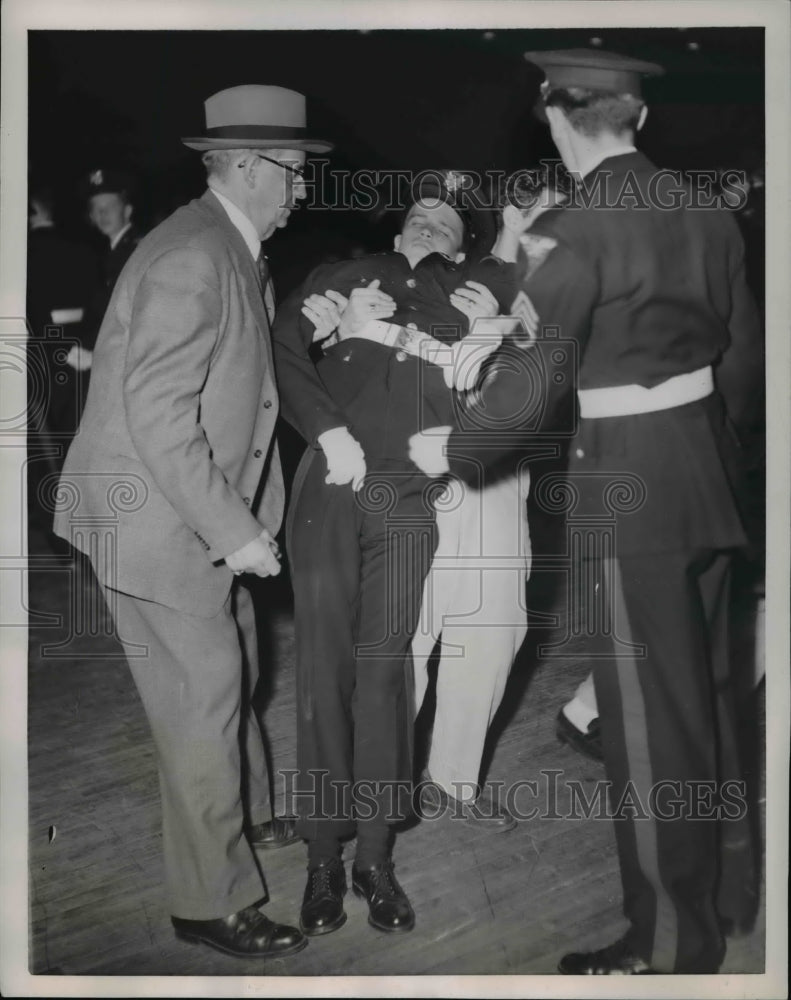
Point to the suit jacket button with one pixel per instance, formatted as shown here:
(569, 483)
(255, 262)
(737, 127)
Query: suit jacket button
(410, 282)
(267, 403)
(257, 453)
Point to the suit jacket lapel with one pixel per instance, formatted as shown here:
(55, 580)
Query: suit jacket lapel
(235, 238)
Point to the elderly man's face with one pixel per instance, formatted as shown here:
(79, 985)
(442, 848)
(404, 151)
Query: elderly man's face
(276, 190)
(431, 226)
(109, 213)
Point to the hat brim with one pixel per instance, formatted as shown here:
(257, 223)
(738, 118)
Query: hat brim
(308, 145)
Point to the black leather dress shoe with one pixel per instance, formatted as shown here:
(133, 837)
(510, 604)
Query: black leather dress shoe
(615, 960)
(484, 810)
(322, 905)
(248, 934)
(388, 907)
(277, 832)
(588, 743)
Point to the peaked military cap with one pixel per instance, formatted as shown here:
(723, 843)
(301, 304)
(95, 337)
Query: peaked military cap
(593, 69)
(466, 194)
(107, 181)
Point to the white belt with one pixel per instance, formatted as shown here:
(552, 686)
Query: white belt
(461, 361)
(625, 400)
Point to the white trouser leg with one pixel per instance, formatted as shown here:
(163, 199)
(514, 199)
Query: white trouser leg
(474, 597)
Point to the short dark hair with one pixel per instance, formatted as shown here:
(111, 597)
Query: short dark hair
(592, 112)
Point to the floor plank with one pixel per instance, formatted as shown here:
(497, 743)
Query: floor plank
(485, 903)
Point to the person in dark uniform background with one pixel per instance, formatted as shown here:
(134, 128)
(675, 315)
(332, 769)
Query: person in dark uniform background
(358, 559)
(62, 278)
(109, 200)
(654, 294)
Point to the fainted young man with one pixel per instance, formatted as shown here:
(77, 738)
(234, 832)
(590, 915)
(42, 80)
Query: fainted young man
(359, 557)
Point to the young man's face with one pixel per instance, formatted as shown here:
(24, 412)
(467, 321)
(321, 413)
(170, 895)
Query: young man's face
(431, 226)
(109, 213)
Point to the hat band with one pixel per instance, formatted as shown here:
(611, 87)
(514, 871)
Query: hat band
(256, 132)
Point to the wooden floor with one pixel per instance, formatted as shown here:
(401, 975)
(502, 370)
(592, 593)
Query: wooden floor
(485, 903)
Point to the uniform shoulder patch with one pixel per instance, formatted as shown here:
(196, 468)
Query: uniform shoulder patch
(537, 249)
(522, 309)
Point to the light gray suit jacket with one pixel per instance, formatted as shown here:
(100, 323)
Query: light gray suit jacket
(175, 453)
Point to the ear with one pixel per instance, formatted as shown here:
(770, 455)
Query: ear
(460, 256)
(247, 166)
(397, 242)
(127, 213)
(642, 118)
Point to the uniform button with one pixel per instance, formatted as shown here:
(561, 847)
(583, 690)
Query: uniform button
(257, 453)
(400, 356)
(411, 326)
(579, 453)
(267, 403)
(410, 282)
(246, 500)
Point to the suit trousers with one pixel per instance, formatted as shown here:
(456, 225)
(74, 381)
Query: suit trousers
(196, 677)
(667, 721)
(474, 604)
(358, 562)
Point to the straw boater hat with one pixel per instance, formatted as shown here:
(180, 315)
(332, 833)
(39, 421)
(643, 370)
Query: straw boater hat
(256, 117)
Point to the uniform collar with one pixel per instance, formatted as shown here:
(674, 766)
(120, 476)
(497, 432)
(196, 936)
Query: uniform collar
(594, 164)
(119, 236)
(241, 222)
(435, 257)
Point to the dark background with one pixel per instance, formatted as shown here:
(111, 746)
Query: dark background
(389, 99)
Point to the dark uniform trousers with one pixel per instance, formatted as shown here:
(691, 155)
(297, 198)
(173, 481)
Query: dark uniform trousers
(647, 295)
(196, 677)
(665, 698)
(358, 563)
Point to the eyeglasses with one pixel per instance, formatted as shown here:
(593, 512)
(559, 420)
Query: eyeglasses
(298, 172)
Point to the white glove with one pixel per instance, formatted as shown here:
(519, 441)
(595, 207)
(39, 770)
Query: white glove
(80, 358)
(345, 458)
(427, 450)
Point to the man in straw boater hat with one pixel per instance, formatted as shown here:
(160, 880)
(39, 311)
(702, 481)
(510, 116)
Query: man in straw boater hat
(651, 288)
(176, 451)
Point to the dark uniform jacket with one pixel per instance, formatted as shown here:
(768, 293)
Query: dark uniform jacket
(112, 263)
(382, 395)
(646, 292)
(61, 274)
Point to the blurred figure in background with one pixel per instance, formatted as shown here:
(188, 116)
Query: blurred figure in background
(62, 279)
(109, 196)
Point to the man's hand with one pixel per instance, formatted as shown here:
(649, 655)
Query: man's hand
(474, 300)
(261, 556)
(324, 311)
(345, 458)
(470, 353)
(427, 450)
(364, 305)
